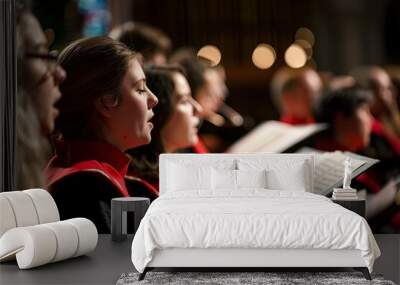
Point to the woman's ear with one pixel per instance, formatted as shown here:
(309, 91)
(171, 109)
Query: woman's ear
(104, 106)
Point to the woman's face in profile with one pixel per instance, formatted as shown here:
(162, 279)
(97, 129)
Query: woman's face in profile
(181, 129)
(212, 94)
(41, 76)
(384, 98)
(128, 122)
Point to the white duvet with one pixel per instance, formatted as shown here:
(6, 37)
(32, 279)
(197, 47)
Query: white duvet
(250, 219)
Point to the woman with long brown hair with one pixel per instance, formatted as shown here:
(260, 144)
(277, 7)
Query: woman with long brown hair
(106, 109)
(39, 77)
(176, 123)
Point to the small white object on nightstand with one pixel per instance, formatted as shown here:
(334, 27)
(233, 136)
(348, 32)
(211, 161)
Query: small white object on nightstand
(345, 193)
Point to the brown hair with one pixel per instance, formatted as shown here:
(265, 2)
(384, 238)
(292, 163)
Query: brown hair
(142, 38)
(32, 147)
(194, 66)
(95, 68)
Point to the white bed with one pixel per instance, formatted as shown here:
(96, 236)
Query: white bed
(203, 218)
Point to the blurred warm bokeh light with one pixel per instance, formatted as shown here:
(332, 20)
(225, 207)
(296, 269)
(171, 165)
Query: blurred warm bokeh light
(263, 56)
(306, 34)
(211, 53)
(295, 56)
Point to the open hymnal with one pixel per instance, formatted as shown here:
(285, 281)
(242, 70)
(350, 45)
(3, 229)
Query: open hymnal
(274, 136)
(329, 167)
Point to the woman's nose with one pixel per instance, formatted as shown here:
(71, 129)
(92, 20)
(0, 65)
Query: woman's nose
(152, 100)
(59, 75)
(197, 109)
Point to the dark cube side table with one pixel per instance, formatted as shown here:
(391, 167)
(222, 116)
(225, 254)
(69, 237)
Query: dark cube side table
(119, 209)
(357, 206)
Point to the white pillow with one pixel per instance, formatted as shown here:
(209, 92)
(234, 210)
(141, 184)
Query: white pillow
(295, 180)
(251, 178)
(227, 179)
(223, 179)
(282, 174)
(187, 177)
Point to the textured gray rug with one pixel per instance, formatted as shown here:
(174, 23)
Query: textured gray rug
(230, 278)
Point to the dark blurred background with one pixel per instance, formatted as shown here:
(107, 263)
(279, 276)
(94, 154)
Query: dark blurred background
(346, 33)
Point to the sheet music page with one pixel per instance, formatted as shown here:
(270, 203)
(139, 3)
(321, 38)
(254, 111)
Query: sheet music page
(329, 167)
(274, 136)
(328, 172)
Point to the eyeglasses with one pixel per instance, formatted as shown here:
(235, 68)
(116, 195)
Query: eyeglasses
(50, 58)
(52, 55)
